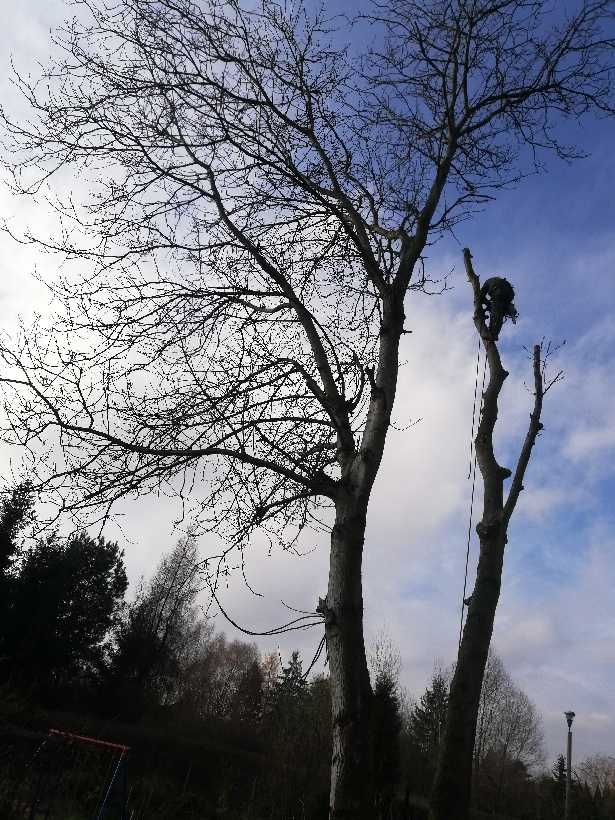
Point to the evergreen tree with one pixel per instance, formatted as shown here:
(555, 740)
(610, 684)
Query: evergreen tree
(428, 717)
(248, 699)
(14, 513)
(559, 770)
(288, 698)
(67, 598)
(292, 683)
(386, 729)
(297, 732)
(559, 781)
(424, 732)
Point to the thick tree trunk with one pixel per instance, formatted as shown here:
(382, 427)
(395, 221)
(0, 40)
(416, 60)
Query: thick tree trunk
(351, 776)
(350, 796)
(453, 783)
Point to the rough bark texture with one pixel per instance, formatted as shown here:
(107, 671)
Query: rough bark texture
(350, 690)
(453, 783)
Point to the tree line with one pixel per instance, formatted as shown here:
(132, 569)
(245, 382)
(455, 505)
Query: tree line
(70, 640)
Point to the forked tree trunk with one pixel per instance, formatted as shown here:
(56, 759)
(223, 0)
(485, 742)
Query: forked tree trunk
(451, 794)
(351, 693)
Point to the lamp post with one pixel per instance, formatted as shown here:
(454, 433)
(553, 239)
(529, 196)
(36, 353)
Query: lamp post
(569, 719)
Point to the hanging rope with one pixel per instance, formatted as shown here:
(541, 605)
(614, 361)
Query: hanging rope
(315, 659)
(474, 408)
(472, 475)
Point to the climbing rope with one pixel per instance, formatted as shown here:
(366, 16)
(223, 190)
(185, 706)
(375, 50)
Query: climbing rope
(474, 408)
(472, 475)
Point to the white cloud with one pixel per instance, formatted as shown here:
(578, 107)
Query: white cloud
(539, 502)
(583, 443)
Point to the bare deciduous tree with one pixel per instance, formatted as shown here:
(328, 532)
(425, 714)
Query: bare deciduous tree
(254, 207)
(213, 680)
(509, 731)
(161, 634)
(384, 657)
(598, 772)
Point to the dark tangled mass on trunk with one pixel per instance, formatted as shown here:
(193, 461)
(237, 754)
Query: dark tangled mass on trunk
(497, 299)
(256, 209)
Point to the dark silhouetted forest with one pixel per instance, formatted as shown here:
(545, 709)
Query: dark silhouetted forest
(215, 728)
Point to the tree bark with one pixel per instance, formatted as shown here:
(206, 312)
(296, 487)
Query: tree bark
(350, 795)
(451, 795)
(452, 788)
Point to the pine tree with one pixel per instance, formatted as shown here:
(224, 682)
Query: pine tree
(559, 770)
(559, 781)
(292, 686)
(67, 598)
(428, 717)
(14, 513)
(287, 700)
(424, 733)
(386, 729)
(248, 700)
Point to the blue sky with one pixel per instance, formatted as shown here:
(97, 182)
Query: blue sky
(554, 238)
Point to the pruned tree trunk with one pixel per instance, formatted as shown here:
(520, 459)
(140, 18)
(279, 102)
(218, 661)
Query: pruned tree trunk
(453, 783)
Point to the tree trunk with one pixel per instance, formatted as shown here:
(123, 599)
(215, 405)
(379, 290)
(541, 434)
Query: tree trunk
(350, 796)
(452, 788)
(351, 776)
(453, 783)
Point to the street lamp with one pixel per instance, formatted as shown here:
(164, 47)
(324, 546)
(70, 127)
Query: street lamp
(569, 718)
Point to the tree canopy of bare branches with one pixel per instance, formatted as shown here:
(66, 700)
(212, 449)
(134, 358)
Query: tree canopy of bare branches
(251, 208)
(509, 731)
(598, 772)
